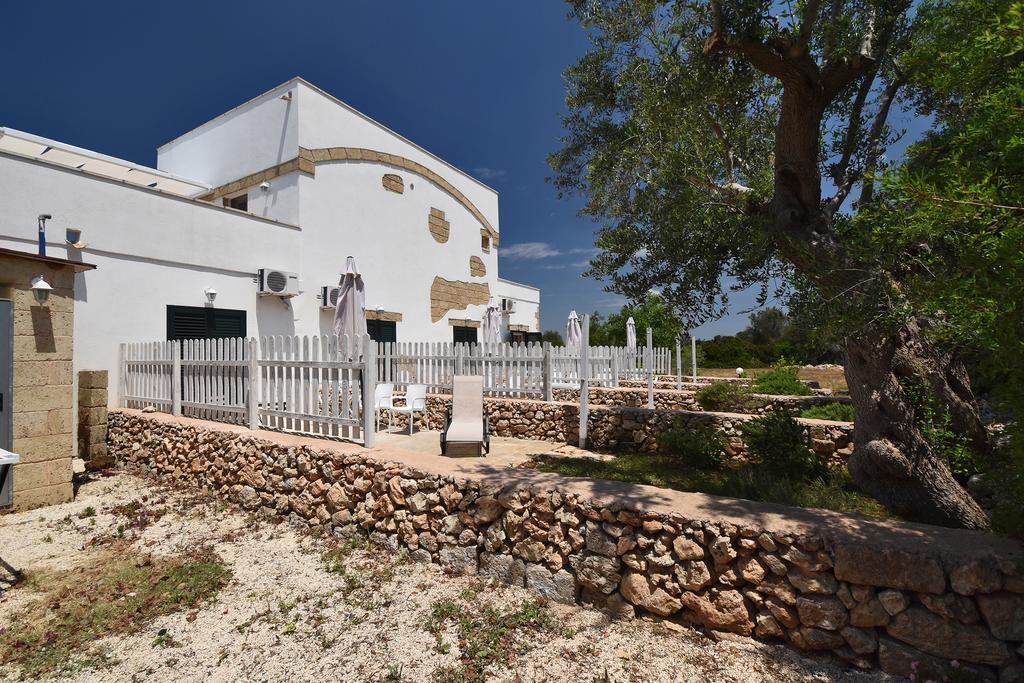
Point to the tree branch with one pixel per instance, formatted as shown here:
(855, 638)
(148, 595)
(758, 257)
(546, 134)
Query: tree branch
(807, 22)
(874, 136)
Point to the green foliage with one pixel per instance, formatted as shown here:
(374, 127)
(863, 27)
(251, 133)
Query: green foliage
(934, 423)
(553, 337)
(696, 445)
(832, 491)
(730, 352)
(840, 412)
(770, 335)
(781, 380)
(727, 397)
(652, 311)
(780, 444)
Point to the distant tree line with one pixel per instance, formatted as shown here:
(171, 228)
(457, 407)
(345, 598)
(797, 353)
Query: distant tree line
(770, 336)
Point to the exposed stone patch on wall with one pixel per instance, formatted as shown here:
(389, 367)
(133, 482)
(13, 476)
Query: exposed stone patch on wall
(373, 314)
(393, 183)
(477, 267)
(439, 228)
(448, 295)
(868, 602)
(92, 419)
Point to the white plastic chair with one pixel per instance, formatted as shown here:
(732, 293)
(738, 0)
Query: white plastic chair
(415, 400)
(383, 399)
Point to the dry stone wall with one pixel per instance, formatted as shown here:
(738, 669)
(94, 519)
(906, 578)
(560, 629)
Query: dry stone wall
(673, 399)
(616, 429)
(868, 603)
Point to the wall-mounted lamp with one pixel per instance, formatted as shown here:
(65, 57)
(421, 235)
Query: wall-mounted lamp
(211, 294)
(264, 186)
(41, 290)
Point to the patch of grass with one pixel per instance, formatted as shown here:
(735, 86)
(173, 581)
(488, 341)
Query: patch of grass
(840, 412)
(487, 634)
(87, 512)
(113, 593)
(834, 490)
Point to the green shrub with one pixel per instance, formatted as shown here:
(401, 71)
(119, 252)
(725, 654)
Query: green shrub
(782, 445)
(841, 412)
(727, 396)
(781, 380)
(695, 445)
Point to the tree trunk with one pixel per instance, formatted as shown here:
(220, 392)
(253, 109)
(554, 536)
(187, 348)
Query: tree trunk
(892, 460)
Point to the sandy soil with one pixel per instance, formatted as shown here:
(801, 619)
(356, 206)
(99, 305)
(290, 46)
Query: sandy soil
(284, 617)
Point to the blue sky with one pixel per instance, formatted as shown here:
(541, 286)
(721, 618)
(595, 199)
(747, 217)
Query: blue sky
(478, 84)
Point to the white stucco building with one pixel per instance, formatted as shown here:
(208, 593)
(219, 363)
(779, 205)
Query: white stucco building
(290, 182)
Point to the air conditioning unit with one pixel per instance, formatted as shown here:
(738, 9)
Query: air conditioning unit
(508, 305)
(329, 296)
(272, 282)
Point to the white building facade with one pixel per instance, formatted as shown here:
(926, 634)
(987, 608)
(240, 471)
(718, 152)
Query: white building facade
(273, 194)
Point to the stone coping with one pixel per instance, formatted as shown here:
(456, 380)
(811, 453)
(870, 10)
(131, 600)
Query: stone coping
(952, 546)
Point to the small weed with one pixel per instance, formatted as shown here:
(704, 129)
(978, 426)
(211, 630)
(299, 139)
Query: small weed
(289, 628)
(394, 674)
(487, 634)
(87, 512)
(164, 639)
(47, 538)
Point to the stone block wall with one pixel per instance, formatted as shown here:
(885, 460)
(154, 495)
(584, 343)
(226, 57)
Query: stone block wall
(43, 397)
(615, 428)
(92, 419)
(874, 599)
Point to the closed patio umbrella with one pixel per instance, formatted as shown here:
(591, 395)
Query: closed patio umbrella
(492, 322)
(631, 334)
(350, 315)
(573, 333)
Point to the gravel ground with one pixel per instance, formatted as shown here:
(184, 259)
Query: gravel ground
(286, 617)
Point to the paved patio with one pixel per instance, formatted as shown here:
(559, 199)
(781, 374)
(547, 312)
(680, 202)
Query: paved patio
(505, 451)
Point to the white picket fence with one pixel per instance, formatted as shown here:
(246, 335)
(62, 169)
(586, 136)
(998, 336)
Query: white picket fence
(515, 370)
(321, 386)
(309, 385)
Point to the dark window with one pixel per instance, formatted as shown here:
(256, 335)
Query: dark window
(534, 337)
(241, 202)
(200, 322)
(382, 330)
(463, 335)
(517, 337)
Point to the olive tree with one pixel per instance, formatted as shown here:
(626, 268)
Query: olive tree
(716, 138)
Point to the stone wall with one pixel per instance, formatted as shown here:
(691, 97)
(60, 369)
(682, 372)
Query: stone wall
(867, 600)
(43, 397)
(92, 419)
(673, 399)
(615, 429)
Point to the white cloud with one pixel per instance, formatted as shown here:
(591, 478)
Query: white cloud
(485, 173)
(529, 251)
